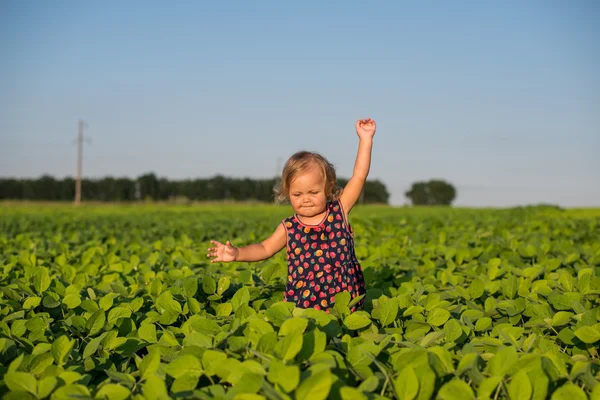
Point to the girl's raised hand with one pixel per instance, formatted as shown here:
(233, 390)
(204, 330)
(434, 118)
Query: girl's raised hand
(222, 252)
(365, 128)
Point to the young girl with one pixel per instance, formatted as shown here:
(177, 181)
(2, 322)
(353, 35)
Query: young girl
(318, 237)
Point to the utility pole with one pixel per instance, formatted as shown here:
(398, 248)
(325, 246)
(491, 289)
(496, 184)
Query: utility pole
(79, 162)
(278, 174)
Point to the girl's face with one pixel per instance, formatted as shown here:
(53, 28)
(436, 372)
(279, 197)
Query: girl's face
(307, 193)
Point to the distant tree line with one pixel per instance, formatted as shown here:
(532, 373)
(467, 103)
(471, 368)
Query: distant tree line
(150, 187)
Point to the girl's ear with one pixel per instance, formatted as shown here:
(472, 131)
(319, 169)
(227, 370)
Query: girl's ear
(330, 190)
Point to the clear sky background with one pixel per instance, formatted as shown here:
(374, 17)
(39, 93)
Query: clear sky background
(500, 98)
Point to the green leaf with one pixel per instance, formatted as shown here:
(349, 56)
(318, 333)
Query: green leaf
(561, 318)
(224, 309)
(350, 393)
(45, 386)
(118, 312)
(493, 265)
(341, 301)
(571, 258)
(166, 304)
(317, 387)
(502, 362)
(407, 384)
(595, 393)
(122, 378)
(438, 316)
(154, 388)
(41, 348)
(249, 382)
(241, 297)
(456, 389)
(61, 348)
(527, 251)
(357, 320)
(288, 377)
(41, 280)
(431, 338)
(432, 300)
(278, 313)
(39, 364)
(70, 377)
(186, 364)
(147, 332)
(293, 324)
(36, 324)
(50, 300)
(21, 382)
(32, 302)
(509, 287)
(488, 386)
(211, 359)
(388, 311)
(16, 363)
(559, 302)
(71, 300)
(413, 310)
(70, 392)
(483, 324)
(190, 286)
(168, 318)
(529, 342)
(370, 384)
(89, 306)
(452, 330)
(566, 336)
(587, 334)
(150, 364)
(18, 327)
(92, 346)
(194, 306)
(569, 391)
(313, 342)
(223, 285)
(185, 383)
(290, 345)
(114, 342)
(106, 302)
(113, 391)
(566, 281)
(477, 288)
(520, 387)
(209, 286)
(445, 358)
(96, 322)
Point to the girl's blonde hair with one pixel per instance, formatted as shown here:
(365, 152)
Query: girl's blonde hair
(301, 162)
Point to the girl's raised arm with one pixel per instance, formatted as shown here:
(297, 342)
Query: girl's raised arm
(254, 252)
(365, 129)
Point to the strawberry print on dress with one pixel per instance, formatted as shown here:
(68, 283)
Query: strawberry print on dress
(322, 261)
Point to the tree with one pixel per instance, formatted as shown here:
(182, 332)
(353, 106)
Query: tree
(434, 192)
(149, 186)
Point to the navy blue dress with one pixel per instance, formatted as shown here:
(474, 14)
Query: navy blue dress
(321, 261)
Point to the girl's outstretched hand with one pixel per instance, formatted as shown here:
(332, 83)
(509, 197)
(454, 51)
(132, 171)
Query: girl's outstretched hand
(365, 128)
(222, 252)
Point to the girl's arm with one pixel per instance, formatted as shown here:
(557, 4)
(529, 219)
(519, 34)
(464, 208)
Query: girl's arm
(254, 252)
(365, 129)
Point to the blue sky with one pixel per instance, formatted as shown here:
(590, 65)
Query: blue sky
(502, 99)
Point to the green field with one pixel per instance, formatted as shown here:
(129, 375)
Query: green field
(121, 302)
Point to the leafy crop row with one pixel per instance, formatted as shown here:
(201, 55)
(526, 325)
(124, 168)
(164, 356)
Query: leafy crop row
(121, 303)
